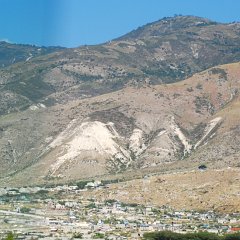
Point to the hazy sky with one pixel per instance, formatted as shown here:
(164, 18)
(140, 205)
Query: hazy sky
(71, 23)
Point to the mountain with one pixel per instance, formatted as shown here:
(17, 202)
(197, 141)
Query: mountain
(166, 51)
(163, 97)
(14, 53)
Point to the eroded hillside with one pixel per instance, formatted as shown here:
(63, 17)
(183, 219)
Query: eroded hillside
(148, 127)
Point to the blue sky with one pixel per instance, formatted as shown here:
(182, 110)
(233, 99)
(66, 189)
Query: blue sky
(72, 23)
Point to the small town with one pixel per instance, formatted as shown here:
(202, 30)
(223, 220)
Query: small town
(61, 212)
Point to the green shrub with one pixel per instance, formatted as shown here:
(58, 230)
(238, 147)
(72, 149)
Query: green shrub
(167, 235)
(77, 235)
(10, 236)
(82, 184)
(98, 235)
(235, 236)
(25, 210)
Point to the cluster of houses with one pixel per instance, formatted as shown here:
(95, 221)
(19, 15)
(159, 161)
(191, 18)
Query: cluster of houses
(60, 217)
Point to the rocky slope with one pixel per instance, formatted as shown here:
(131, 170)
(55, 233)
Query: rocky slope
(138, 103)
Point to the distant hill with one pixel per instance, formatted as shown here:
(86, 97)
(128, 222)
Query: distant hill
(14, 53)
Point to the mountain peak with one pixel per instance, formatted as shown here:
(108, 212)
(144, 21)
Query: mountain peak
(167, 25)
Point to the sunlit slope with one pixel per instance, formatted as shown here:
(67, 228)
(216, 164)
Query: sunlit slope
(179, 125)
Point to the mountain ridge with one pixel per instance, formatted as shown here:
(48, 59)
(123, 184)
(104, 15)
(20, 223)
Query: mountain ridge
(92, 70)
(11, 53)
(190, 20)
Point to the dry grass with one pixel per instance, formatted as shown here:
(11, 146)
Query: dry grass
(202, 190)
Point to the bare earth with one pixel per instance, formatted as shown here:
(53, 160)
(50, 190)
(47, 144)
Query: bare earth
(217, 190)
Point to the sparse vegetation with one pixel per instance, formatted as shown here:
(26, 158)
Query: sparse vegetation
(221, 72)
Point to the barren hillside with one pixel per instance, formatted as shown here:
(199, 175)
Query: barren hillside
(147, 127)
(215, 190)
(162, 98)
